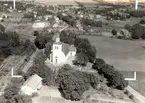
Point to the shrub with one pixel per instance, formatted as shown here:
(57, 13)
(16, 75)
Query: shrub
(137, 13)
(73, 83)
(128, 27)
(136, 31)
(98, 64)
(89, 22)
(81, 59)
(2, 28)
(131, 96)
(114, 32)
(142, 21)
(36, 33)
(84, 46)
(40, 42)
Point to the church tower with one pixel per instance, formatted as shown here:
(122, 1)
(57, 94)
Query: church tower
(56, 49)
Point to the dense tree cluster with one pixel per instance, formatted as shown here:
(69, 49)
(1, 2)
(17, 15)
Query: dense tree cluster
(81, 59)
(137, 31)
(89, 22)
(84, 46)
(11, 93)
(137, 13)
(2, 28)
(117, 16)
(114, 32)
(68, 19)
(8, 41)
(142, 21)
(43, 71)
(73, 83)
(67, 36)
(115, 79)
(42, 40)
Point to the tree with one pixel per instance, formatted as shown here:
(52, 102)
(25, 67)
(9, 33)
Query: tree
(114, 32)
(48, 49)
(67, 36)
(2, 28)
(84, 46)
(10, 91)
(40, 42)
(13, 39)
(142, 21)
(81, 59)
(36, 33)
(98, 64)
(23, 99)
(128, 27)
(136, 31)
(44, 72)
(70, 86)
(2, 100)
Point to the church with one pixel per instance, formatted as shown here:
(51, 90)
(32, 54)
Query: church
(61, 52)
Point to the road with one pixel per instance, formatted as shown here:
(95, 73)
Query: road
(138, 96)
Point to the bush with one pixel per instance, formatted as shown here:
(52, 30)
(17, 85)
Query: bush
(68, 19)
(36, 33)
(81, 59)
(73, 83)
(115, 79)
(2, 28)
(89, 22)
(137, 13)
(142, 21)
(40, 42)
(84, 46)
(136, 31)
(128, 27)
(131, 96)
(98, 64)
(114, 32)
(67, 36)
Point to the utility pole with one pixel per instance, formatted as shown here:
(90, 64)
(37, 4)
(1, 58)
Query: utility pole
(14, 4)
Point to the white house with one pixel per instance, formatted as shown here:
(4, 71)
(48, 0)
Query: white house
(61, 52)
(32, 85)
(39, 25)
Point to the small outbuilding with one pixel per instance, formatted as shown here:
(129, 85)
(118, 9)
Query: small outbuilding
(32, 85)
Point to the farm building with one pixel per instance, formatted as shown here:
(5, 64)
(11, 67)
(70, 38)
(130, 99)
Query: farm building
(32, 85)
(39, 24)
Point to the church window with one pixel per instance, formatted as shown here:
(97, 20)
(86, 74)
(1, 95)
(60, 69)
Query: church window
(56, 47)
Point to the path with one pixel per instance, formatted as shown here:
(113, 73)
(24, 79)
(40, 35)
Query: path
(138, 96)
(30, 63)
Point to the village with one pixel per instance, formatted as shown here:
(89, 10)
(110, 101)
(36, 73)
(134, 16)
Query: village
(71, 53)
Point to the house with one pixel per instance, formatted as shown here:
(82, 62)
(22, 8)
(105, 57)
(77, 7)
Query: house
(32, 85)
(39, 24)
(61, 52)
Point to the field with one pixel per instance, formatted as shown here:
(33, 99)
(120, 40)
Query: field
(124, 55)
(139, 85)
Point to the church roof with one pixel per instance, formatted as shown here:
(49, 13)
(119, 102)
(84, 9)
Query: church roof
(65, 48)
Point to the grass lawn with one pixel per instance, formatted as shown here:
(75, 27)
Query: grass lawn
(139, 85)
(125, 55)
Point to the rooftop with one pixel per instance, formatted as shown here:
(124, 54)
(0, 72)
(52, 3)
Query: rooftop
(33, 81)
